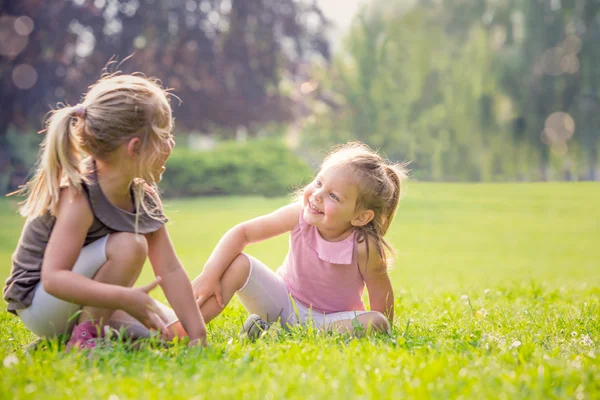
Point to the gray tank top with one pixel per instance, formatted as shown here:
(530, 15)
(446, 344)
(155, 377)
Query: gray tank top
(27, 258)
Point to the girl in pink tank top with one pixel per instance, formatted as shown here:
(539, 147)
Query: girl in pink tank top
(337, 247)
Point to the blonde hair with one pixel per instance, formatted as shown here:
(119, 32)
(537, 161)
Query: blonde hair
(380, 188)
(116, 109)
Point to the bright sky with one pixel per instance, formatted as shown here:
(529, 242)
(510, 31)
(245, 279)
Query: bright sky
(340, 11)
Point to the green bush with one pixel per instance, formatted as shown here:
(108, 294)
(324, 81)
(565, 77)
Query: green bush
(259, 167)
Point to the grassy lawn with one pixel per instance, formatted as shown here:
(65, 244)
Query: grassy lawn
(497, 296)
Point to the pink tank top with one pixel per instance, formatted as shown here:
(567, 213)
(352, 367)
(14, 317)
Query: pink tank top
(320, 274)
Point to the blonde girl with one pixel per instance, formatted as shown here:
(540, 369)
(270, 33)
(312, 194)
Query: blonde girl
(337, 247)
(93, 217)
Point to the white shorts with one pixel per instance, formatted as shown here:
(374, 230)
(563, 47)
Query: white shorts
(266, 295)
(49, 316)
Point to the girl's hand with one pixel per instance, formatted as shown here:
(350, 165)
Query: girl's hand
(205, 287)
(142, 307)
(201, 341)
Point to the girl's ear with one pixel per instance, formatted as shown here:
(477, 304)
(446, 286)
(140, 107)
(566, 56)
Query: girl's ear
(363, 218)
(133, 147)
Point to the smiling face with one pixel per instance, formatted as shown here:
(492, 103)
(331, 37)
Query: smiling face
(330, 203)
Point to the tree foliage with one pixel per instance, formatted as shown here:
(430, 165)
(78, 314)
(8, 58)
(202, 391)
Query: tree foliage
(489, 91)
(224, 58)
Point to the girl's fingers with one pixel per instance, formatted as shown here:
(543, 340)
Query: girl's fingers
(161, 314)
(158, 318)
(157, 324)
(219, 298)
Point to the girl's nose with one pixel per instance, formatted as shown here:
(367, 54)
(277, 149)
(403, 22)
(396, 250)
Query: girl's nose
(317, 196)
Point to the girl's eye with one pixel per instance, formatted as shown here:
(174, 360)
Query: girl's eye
(333, 196)
(318, 183)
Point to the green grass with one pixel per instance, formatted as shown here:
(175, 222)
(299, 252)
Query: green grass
(497, 290)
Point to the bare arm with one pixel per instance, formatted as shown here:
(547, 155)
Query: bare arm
(175, 283)
(234, 242)
(381, 293)
(252, 231)
(73, 221)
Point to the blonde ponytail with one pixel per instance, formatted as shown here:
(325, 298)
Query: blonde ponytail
(396, 174)
(116, 109)
(59, 165)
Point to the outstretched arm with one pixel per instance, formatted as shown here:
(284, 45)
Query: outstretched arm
(175, 283)
(235, 241)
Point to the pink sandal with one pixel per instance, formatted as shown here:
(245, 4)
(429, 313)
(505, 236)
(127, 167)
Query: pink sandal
(85, 336)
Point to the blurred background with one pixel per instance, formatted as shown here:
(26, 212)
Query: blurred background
(467, 90)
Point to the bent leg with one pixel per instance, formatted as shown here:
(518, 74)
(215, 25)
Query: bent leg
(125, 254)
(265, 294)
(49, 316)
(232, 280)
(260, 290)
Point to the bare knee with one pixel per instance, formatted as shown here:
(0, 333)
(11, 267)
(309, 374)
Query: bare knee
(375, 320)
(238, 271)
(129, 249)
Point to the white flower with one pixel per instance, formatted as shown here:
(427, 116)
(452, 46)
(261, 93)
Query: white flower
(515, 344)
(586, 340)
(10, 360)
(464, 297)
(486, 291)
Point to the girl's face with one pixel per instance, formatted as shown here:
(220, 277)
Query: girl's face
(330, 202)
(159, 167)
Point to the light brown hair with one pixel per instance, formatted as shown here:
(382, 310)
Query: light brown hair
(116, 109)
(379, 185)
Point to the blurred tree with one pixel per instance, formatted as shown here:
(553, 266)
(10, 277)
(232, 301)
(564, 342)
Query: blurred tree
(475, 90)
(224, 58)
(416, 92)
(587, 102)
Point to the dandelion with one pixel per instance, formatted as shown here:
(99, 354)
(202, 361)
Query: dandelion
(576, 363)
(586, 340)
(486, 291)
(30, 388)
(515, 344)
(10, 360)
(464, 297)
